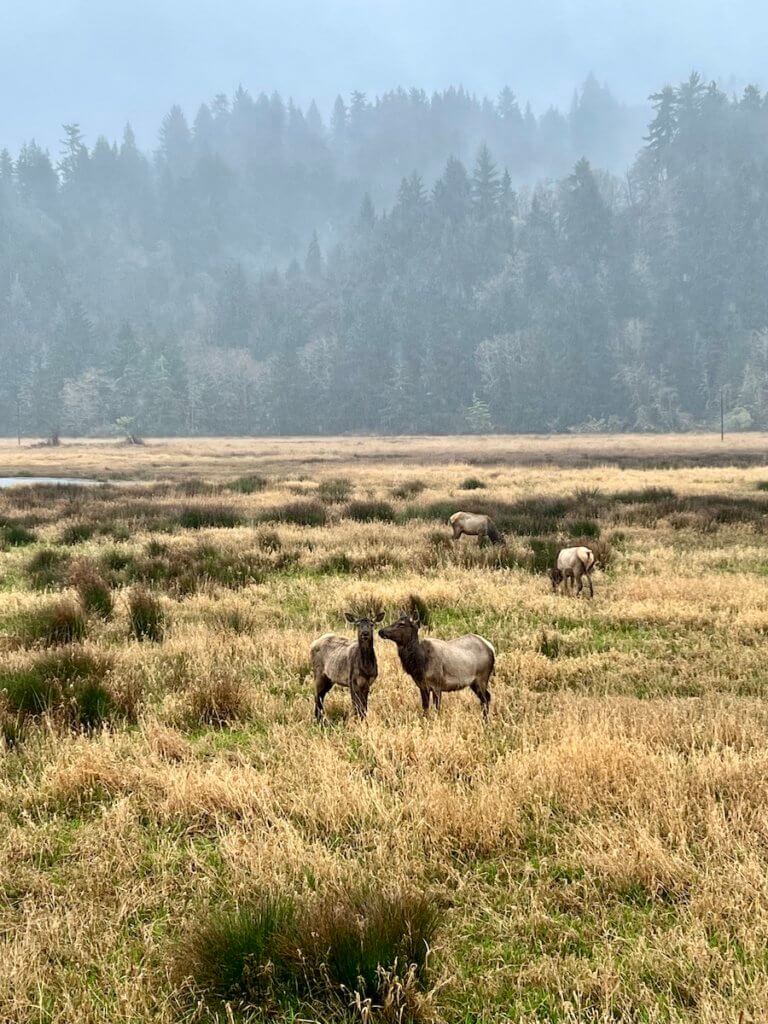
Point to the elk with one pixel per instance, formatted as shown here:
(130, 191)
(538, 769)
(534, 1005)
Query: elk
(571, 566)
(442, 666)
(339, 661)
(475, 524)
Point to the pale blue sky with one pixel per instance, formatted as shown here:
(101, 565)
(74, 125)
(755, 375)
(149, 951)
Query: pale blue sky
(102, 62)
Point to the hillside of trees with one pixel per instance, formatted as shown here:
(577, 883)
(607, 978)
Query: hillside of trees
(418, 264)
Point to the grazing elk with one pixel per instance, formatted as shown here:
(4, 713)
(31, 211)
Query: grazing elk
(572, 565)
(474, 524)
(442, 666)
(337, 660)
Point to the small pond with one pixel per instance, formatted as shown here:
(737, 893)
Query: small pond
(20, 481)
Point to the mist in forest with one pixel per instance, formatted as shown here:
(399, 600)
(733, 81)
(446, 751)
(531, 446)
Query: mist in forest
(340, 217)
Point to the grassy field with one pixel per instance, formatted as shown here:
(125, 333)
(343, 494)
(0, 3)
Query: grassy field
(597, 852)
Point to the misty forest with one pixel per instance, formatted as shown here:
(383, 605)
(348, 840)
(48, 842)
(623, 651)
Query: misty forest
(406, 264)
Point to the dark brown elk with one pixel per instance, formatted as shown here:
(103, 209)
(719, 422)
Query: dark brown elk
(339, 661)
(443, 666)
(475, 524)
(573, 564)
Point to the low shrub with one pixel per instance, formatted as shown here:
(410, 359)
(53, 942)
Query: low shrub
(544, 552)
(52, 624)
(409, 489)
(146, 615)
(584, 528)
(301, 513)
(603, 552)
(645, 496)
(338, 563)
(334, 490)
(248, 484)
(14, 535)
(269, 540)
(92, 589)
(195, 488)
(369, 511)
(48, 569)
(76, 533)
(472, 483)
(199, 517)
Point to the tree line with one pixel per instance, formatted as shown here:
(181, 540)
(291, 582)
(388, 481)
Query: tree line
(265, 272)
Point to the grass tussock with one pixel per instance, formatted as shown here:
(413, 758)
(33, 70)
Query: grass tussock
(53, 623)
(15, 535)
(472, 483)
(299, 513)
(334, 490)
(409, 489)
(146, 615)
(71, 683)
(92, 589)
(253, 483)
(48, 569)
(201, 517)
(345, 948)
(370, 511)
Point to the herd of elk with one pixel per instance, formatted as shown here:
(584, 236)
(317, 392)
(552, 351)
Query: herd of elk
(436, 666)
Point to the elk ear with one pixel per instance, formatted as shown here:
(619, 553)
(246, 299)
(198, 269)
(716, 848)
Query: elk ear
(350, 618)
(379, 617)
(415, 619)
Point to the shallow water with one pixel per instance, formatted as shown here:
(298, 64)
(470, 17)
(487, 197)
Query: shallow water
(19, 481)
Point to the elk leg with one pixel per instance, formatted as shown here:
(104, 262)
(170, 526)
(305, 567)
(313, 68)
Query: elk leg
(580, 584)
(322, 685)
(424, 700)
(436, 699)
(591, 588)
(359, 699)
(483, 695)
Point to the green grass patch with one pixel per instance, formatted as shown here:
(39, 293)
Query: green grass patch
(275, 951)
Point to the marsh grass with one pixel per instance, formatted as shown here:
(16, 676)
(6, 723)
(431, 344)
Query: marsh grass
(145, 615)
(15, 535)
(57, 621)
(598, 845)
(48, 569)
(347, 945)
(370, 511)
(334, 490)
(70, 682)
(92, 589)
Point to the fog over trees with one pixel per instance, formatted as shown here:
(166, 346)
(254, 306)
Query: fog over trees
(401, 263)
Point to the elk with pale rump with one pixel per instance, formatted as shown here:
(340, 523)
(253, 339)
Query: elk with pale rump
(475, 524)
(572, 565)
(442, 666)
(339, 661)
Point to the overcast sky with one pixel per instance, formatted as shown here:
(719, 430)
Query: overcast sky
(103, 62)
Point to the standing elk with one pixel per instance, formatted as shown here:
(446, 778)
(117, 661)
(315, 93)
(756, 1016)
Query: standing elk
(339, 661)
(572, 565)
(475, 524)
(443, 666)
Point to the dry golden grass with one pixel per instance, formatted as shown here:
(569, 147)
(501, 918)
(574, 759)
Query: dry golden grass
(599, 849)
